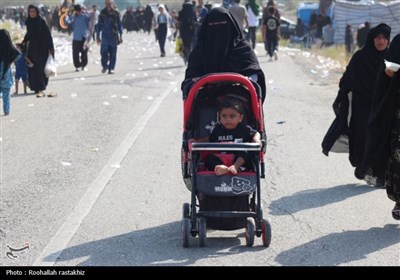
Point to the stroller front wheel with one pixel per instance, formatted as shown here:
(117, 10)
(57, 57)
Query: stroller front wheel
(250, 232)
(201, 227)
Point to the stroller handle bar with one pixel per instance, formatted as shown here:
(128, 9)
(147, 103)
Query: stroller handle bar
(226, 147)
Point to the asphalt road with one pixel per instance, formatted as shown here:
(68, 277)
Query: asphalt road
(92, 176)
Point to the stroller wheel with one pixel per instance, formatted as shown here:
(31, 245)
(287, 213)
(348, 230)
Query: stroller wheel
(249, 234)
(266, 232)
(186, 210)
(201, 226)
(185, 232)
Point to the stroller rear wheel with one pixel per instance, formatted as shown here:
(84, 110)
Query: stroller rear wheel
(185, 232)
(266, 232)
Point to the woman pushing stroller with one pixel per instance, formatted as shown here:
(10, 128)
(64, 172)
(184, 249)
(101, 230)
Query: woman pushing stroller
(222, 48)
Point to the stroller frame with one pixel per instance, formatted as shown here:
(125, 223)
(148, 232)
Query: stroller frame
(193, 220)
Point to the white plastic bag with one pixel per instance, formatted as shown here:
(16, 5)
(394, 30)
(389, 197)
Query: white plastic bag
(50, 69)
(392, 66)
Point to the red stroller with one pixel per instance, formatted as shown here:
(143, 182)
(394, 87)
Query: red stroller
(226, 202)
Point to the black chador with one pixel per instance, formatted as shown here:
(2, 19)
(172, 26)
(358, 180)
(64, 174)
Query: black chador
(352, 114)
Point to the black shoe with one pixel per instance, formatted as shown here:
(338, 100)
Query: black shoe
(359, 173)
(77, 70)
(104, 70)
(396, 211)
(110, 71)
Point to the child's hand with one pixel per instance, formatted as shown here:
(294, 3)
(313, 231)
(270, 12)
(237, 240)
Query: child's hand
(257, 138)
(232, 169)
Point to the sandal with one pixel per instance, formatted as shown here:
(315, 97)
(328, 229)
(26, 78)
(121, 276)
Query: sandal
(396, 211)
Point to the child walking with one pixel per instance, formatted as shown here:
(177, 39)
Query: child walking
(229, 129)
(7, 55)
(21, 71)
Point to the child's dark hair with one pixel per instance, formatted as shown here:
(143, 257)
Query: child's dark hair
(231, 103)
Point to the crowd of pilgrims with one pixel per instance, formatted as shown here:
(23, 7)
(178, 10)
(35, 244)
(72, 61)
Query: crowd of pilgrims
(367, 122)
(133, 19)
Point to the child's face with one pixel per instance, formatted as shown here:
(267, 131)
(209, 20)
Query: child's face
(230, 118)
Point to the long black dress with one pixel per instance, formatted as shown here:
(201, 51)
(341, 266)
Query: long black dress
(382, 152)
(358, 80)
(38, 42)
(222, 48)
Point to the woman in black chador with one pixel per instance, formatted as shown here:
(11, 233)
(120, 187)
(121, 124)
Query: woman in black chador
(382, 150)
(39, 45)
(222, 48)
(359, 80)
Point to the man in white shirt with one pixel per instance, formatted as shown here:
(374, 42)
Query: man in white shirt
(239, 12)
(253, 11)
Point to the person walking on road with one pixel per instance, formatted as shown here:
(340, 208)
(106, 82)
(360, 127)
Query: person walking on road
(271, 34)
(7, 56)
(187, 27)
(239, 12)
(163, 20)
(109, 27)
(39, 45)
(253, 11)
(382, 152)
(80, 25)
(358, 80)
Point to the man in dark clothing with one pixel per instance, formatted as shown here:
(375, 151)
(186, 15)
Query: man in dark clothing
(110, 28)
(271, 33)
(362, 34)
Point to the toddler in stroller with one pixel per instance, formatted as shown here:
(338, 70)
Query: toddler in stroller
(229, 105)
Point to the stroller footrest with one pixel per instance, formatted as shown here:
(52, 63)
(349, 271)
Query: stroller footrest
(227, 214)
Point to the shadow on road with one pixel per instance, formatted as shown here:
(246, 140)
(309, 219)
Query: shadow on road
(341, 247)
(317, 198)
(153, 246)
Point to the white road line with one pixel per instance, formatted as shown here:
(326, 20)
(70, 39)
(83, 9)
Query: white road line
(60, 240)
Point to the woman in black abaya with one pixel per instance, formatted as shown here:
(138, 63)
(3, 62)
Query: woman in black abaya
(222, 48)
(359, 80)
(382, 153)
(39, 45)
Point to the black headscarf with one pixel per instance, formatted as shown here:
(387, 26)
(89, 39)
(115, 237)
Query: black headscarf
(362, 70)
(8, 53)
(37, 30)
(222, 48)
(382, 113)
